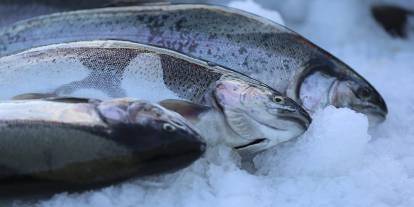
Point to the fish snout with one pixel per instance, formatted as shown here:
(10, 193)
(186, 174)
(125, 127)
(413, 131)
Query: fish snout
(185, 146)
(162, 146)
(295, 113)
(382, 108)
(376, 112)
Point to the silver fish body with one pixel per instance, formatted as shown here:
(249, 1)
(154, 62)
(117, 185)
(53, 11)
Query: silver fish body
(246, 43)
(15, 10)
(49, 146)
(107, 69)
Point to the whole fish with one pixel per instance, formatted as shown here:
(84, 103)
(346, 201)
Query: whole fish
(69, 144)
(258, 117)
(252, 45)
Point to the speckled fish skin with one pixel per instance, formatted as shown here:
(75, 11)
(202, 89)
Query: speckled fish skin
(108, 63)
(107, 69)
(77, 4)
(246, 43)
(15, 10)
(49, 146)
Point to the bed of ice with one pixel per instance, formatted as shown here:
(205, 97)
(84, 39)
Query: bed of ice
(339, 161)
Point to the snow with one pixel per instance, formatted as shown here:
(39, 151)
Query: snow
(339, 161)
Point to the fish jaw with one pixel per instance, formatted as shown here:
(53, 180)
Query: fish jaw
(328, 81)
(348, 94)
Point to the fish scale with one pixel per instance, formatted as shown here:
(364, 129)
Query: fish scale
(193, 80)
(107, 67)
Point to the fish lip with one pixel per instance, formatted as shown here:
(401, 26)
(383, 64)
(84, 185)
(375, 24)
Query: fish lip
(178, 154)
(378, 109)
(252, 143)
(373, 112)
(381, 105)
(303, 113)
(298, 115)
(194, 145)
(301, 119)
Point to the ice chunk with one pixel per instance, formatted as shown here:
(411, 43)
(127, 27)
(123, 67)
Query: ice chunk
(252, 7)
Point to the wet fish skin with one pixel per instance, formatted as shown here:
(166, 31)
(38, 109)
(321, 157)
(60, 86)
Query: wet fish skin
(246, 43)
(118, 68)
(77, 4)
(81, 146)
(12, 11)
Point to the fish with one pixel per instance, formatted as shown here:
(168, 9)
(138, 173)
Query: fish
(61, 144)
(392, 18)
(257, 116)
(246, 43)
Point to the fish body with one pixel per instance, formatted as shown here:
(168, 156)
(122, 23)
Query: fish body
(110, 69)
(51, 145)
(249, 44)
(15, 10)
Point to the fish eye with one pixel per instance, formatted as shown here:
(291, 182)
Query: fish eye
(277, 99)
(364, 92)
(168, 127)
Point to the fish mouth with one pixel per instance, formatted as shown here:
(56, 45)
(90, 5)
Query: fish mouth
(172, 157)
(253, 144)
(301, 124)
(299, 116)
(375, 114)
(302, 121)
(261, 144)
(175, 156)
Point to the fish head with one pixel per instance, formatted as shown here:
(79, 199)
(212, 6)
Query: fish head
(357, 94)
(163, 137)
(261, 116)
(344, 88)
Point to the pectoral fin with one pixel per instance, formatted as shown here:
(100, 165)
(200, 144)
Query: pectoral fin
(188, 110)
